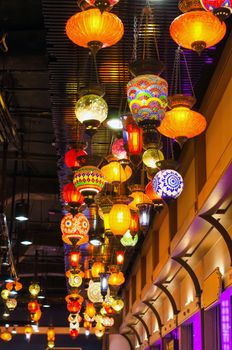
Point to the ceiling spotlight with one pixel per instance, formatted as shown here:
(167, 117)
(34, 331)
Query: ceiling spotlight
(26, 239)
(9, 279)
(46, 305)
(21, 211)
(41, 295)
(6, 313)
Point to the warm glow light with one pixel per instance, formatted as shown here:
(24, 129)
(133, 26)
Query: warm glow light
(149, 190)
(115, 173)
(97, 268)
(75, 229)
(135, 139)
(89, 179)
(90, 310)
(120, 257)
(119, 219)
(196, 30)
(116, 279)
(6, 335)
(118, 149)
(139, 197)
(74, 258)
(128, 240)
(71, 195)
(182, 122)
(93, 26)
(151, 157)
(34, 289)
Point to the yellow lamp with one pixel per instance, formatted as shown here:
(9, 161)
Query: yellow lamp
(34, 289)
(138, 196)
(151, 156)
(115, 173)
(117, 305)
(97, 268)
(6, 335)
(120, 217)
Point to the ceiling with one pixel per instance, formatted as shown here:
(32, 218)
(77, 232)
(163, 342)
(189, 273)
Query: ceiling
(40, 76)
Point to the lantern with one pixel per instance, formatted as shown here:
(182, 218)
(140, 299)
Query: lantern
(5, 293)
(220, 8)
(147, 98)
(99, 332)
(74, 258)
(151, 156)
(6, 335)
(28, 332)
(94, 292)
(11, 304)
(91, 28)
(128, 240)
(197, 30)
(181, 122)
(120, 257)
(14, 286)
(117, 305)
(107, 321)
(75, 229)
(90, 310)
(116, 279)
(74, 333)
(149, 190)
(72, 196)
(118, 149)
(91, 110)
(144, 215)
(33, 306)
(74, 318)
(134, 223)
(51, 335)
(36, 316)
(135, 139)
(102, 4)
(73, 306)
(104, 283)
(34, 289)
(104, 212)
(115, 173)
(138, 196)
(89, 180)
(97, 268)
(70, 159)
(120, 218)
(75, 280)
(168, 184)
(51, 344)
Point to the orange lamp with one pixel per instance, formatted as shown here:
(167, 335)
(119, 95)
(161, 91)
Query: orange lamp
(36, 316)
(135, 139)
(197, 30)
(134, 224)
(33, 306)
(90, 310)
(149, 190)
(116, 279)
(94, 29)
(6, 335)
(120, 257)
(74, 258)
(120, 218)
(115, 173)
(71, 195)
(138, 197)
(97, 268)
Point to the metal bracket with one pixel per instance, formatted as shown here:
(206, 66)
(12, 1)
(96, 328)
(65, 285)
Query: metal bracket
(169, 295)
(191, 273)
(155, 312)
(135, 333)
(144, 325)
(221, 229)
(128, 340)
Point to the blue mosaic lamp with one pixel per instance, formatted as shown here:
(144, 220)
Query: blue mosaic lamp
(168, 184)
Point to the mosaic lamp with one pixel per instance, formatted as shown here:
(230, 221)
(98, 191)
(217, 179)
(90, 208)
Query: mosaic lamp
(168, 184)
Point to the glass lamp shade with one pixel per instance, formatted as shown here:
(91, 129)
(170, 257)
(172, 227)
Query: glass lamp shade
(51, 334)
(149, 190)
(73, 333)
(197, 30)
(134, 224)
(118, 149)
(73, 306)
(151, 156)
(116, 279)
(221, 8)
(119, 219)
(36, 316)
(11, 304)
(120, 257)
(71, 195)
(147, 98)
(74, 258)
(128, 240)
(117, 305)
(89, 179)
(33, 306)
(97, 268)
(135, 139)
(91, 110)
(14, 286)
(115, 173)
(90, 310)
(104, 277)
(5, 293)
(6, 336)
(91, 26)
(34, 289)
(182, 122)
(75, 229)
(144, 215)
(70, 159)
(94, 292)
(139, 197)
(168, 184)
(75, 280)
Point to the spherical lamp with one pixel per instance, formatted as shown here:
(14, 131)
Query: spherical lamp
(116, 279)
(91, 110)
(197, 30)
(75, 229)
(168, 184)
(149, 190)
(119, 218)
(138, 197)
(117, 305)
(94, 29)
(147, 98)
(33, 306)
(151, 156)
(34, 289)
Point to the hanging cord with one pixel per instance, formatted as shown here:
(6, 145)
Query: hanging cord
(188, 73)
(95, 67)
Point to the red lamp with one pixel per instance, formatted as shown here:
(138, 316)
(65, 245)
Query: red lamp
(71, 195)
(33, 306)
(74, 258)
(134, 224)
(74, 306)
(120, 257)
(135, 139)
(74, 333)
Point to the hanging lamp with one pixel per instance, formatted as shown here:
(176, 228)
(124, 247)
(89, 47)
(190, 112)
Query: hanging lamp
(103, 4)
(220, 8)
(114, 172)
(138, 197)
(120, 216)
(168, 184)
(75, 229)
(147, 92)
(181, 123)
(196, 29)
(94, 29)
